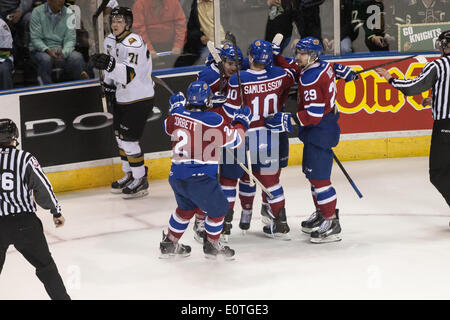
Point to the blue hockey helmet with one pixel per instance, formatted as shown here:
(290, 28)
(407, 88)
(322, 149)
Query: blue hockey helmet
(228, 52)
(310, 44)
(198, 94)
(261, 52)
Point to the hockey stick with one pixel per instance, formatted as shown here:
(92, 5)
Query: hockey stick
(99, 47)
(231, 38)
(219, 61)
(162, 84)
(347, 176)
(418, 57)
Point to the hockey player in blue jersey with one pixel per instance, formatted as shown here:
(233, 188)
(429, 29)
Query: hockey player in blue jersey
(265, 89)
(196, 136)
(317, 118)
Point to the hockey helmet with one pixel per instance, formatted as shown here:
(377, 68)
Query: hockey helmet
(261, 52)
(228, 52)
(125, 12)
(8, 131)
(198, 94)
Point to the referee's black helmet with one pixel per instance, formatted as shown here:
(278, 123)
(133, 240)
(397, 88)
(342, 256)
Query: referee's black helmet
(8, 131)
(444, 40)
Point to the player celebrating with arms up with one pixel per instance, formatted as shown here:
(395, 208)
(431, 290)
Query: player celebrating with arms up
(129, 89)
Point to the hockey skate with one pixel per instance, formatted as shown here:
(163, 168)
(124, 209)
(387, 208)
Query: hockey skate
(313, 222)
(119, 185)
(199, 230)
(226, 231)
(266, 214)
(244, 223)
(214, 249)
(278, 228)
(328, 231)
(171, 249)
(136, 189)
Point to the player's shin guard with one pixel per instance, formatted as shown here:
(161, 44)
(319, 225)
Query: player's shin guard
(246, 193)
(228, 186)
(326, 197)
(212, 247)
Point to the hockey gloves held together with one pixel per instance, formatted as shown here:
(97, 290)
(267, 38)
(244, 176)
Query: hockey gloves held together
(103, 61)
(243, 116)
(279, 122)
(177, 100)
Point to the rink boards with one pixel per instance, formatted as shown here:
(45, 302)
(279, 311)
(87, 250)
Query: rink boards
(67, 129)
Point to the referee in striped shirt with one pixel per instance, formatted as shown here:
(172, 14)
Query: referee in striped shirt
(21, 178)
(435, 75)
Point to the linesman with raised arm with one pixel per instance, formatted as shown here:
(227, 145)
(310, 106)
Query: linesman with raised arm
(22, 184)
(435, 75)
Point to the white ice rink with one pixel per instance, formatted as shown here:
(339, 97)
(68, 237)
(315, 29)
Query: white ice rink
(396, 245)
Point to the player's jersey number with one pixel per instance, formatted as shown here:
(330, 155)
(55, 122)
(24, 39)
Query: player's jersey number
(269, 107)
(178, 150)
(7, 181)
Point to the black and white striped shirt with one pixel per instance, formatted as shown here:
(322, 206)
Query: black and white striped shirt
(436, 75)
(22, 182)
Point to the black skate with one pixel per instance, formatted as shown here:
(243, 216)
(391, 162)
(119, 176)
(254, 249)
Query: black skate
(136, 189)
(214, 249)
(119, 185)
(244, 223)
(171, 249)
(226, 231)
(328, 231)
(266, 214)
(313, 222)
(278, 228)
(199, 230)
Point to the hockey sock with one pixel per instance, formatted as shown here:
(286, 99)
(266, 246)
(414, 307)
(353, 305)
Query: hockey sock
(178, 223)
(326, 197)
(246, 193)
(123, 156)
(272, 183)
(229, 189)
(199, 214)
(314, 196)
(213, 227)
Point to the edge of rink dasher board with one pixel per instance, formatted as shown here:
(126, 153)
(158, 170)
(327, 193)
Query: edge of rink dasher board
(292, 141)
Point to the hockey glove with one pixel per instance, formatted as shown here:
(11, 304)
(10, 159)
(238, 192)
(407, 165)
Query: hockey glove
(279, 122)
(103, 61)
(110, 93)
(243, 116)
(344, 72)
(218, 100)
(177, 100)
(276, 49)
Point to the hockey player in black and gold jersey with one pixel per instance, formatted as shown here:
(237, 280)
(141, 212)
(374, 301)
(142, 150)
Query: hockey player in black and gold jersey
(129, 89)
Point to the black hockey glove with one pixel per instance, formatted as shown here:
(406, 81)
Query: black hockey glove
(110, 93)
(103, 62)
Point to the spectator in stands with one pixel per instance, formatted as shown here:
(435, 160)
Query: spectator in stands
(348, 32)
(53, 42)
(200, 30)
(371, 15)
(17, 13)
(6, 59)
(304, 13)
(162, 25)
(427, 11)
